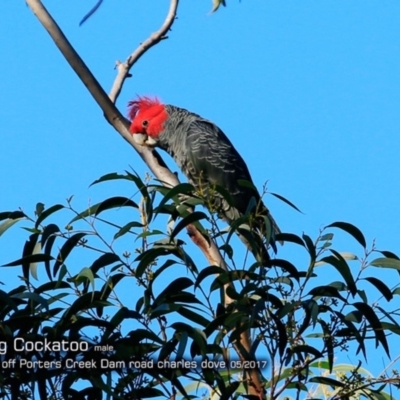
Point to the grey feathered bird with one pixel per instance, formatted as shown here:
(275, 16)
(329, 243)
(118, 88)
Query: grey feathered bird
(204, 154)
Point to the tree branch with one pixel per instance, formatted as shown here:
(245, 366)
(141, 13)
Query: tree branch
(152, 159)
(152, 40)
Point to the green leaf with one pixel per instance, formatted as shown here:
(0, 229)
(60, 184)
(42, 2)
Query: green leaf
(11, 215)
(326, 291)
(311, 309)
(327, 381)
(44, 214)
(232, 276)
(345, 255)
(110, 177)
(103, 261)
(126, 228)
(112, 202)
(39, 209)
(49, 236)
(385, 291)
(27, 251)
(182, 345)
(282, 333)
(375, 324)
(350, 229)
(351, 331)
(8, 223)
(88, 300)
(326, 237)
(192, 316)
(286, 201)
(86, 273)
(182, 188)
(33, 258)
(176, 286)
(306, 349)
(192, 218)
(341, 265)
(116, 320)
(310, 246)
(66, 249)
(388, 254)
(391, 327)
(115, 202)
(33, 265)
(204, 273)
(328, 340)
(109, 286)
(289, 237)
(147, 258)
(34, 297)
(386, 263)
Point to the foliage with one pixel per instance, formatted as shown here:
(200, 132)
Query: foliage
(134, 312)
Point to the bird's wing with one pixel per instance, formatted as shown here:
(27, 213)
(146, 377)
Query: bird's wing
(214, 160)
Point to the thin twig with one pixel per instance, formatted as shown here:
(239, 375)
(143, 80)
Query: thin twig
(152, 40)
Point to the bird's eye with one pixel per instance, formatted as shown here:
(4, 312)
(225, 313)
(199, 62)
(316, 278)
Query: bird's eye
(145, 123)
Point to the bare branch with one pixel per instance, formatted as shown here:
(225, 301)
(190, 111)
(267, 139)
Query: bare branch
(153, 39)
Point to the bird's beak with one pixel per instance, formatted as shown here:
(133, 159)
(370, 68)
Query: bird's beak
(144, 140)
(140, 139)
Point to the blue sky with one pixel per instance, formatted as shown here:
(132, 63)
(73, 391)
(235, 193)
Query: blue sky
(308, 91)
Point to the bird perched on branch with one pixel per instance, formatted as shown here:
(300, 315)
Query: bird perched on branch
(206, 156)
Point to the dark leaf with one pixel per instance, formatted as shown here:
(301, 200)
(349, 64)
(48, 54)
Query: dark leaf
(108, 204)
(286, 201)
(33, 258)
(66, 249)
(385, 291)
(328, 340)
(192, 218)
(103, 261)
(327, 381)
(341, 265)
(110, 177)
(286, 266)
(303, 348)
(48, 239)
(375, 324)
(147, 258)
(204, 273)
(115, 202)
(176, 286)
(116, 320)
(44, 214)
(289, 237)
(350, 229)
(182, 188)
(126, 228)
(192, 316)
(388, 254)
(310, 247)
(282, 333)
(326, 291)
